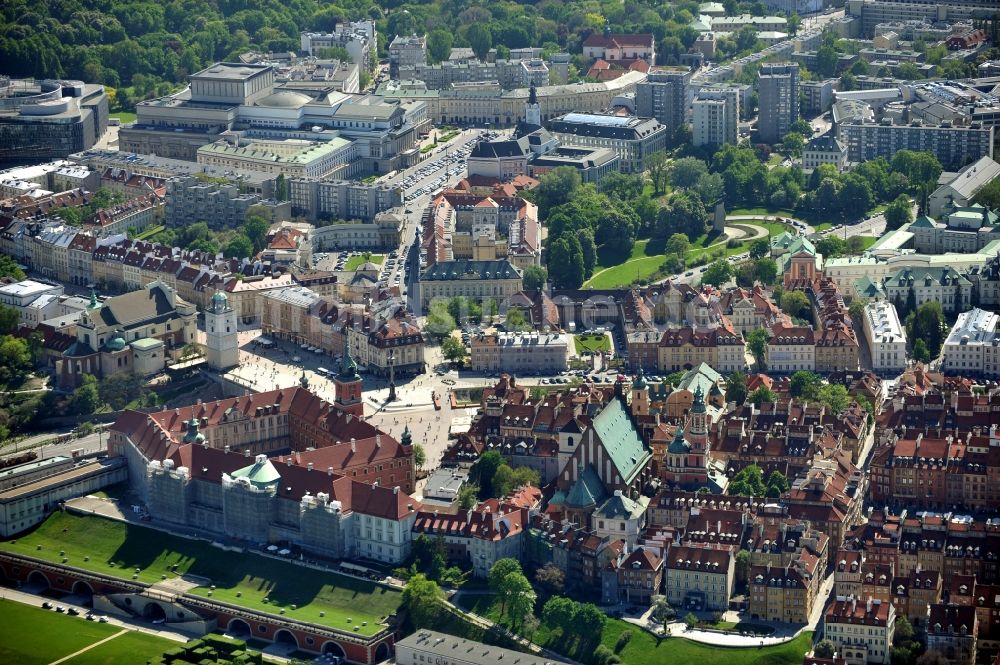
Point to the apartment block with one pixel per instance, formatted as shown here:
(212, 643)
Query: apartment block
(778, 92)
(715, 115)
(954, 146)
(664, 96)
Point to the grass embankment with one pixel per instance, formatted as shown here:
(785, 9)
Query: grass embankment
(354, 262)
(124, 117)
(244, 579)
(647, 649)
(33, 636)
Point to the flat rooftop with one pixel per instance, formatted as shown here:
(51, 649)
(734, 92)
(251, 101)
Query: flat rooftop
(230, 71)
(25, 288)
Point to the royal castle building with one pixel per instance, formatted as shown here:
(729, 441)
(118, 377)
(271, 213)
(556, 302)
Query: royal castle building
(276, 467)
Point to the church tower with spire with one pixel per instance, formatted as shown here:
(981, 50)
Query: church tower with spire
(347, 387)
(685, 464)
(697, 434)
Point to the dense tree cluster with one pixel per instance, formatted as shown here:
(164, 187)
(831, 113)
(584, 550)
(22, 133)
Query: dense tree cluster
(145, 48)
(750, 482)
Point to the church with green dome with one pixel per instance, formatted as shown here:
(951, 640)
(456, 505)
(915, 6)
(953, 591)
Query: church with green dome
(135, 333)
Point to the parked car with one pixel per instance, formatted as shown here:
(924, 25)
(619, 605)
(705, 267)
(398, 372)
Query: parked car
(46, 605)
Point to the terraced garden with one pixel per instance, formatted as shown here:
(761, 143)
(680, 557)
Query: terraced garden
(249, 580)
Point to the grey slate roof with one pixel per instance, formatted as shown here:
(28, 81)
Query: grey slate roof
(465, 269)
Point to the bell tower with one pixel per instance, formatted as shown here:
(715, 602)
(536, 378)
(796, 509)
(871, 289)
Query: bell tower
(222, 349)
(697, 434)
(640, 396)
(347, 386)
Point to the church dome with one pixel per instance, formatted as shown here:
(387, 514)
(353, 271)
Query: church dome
(220, 301)
(116, 343)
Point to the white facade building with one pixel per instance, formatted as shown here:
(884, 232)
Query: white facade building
(886, 337)
(973, 345)
(21, 294)
(715, 115)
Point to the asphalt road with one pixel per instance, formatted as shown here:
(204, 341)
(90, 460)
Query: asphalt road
(91, 443)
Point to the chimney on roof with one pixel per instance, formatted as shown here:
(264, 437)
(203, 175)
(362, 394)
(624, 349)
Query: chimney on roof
(309, 466)
(226, 448)
(246, 453)
(378, 440)
(395, 490)
(289, 460)
(329, 470)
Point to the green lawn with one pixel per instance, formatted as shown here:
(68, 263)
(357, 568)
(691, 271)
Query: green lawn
(125, 116)
(127, 649)
(592, 343)
(117, 548)
(358, 259)
(647, 649)
(149, 232)
(30, 635)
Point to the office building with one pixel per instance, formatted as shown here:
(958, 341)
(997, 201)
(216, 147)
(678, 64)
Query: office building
(886, 337)
(954, 146)
(664, 96)
(326, 199)
(633, 139)
(778, 93)
(406, 51)
(493, 106)
(291, 157)
(49, 119)
(480, 280)
(715, 115)
(521, 353)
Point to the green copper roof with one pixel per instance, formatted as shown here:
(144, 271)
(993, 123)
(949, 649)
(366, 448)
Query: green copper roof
(640, 382)
(260, 474)
(193, 435)
(116, 343)
(923, 222)
(620, 506)
(698, 405)
(679, 446)
(587, 490)
(617, 432)
(348, 368)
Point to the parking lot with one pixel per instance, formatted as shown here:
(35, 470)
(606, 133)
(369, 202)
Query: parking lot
(391, 273)
(434, 173)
